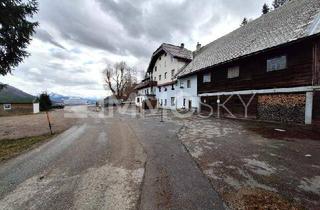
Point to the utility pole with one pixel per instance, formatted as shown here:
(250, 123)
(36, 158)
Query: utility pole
(48, 118)
(161, 114)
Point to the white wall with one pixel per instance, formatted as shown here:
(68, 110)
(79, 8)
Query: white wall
(188, 93)
(36, 108)
(180, 94)
(139, 100)
(165, 65)
(166, 95)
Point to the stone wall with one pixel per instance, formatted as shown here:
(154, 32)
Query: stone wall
(17, 109)
(282, 107)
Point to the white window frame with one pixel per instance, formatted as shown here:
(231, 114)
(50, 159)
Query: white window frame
(277, 63)
(206, 78)
(233, 72)
(7, 106)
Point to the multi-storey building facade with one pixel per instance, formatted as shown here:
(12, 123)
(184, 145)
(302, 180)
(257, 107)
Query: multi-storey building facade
(268, 69)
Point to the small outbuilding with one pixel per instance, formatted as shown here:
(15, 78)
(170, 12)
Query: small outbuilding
(16, 102)
(16, 107)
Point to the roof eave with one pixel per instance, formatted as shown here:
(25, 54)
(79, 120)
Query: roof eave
(251, 54)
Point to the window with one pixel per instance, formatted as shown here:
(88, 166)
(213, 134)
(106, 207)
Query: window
(165, 89)
(159, 89)
(184, 102)
(172, 87)
(173, 101)
(277, 63)
(155, 68)
(181, 84)
(155, 78)
(233, 72)
(165, 75)
(207, 78)
(138, 100)
(7, 106)
(161, 102)
(188, 83)
(159, 77)
(165, 102)
(172, 73)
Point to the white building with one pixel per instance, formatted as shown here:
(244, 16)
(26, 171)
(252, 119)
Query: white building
(171, 91)
(187, 93)
(145, 91)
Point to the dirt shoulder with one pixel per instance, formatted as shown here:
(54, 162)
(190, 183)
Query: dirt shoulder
(16, 127)
(254, 166)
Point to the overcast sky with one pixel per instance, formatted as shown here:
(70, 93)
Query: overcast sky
(76, 39)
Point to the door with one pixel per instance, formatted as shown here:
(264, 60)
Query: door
(190, 104)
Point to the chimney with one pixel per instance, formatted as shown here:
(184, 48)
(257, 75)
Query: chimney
(182, 45)
(198, 46)
(197, 49)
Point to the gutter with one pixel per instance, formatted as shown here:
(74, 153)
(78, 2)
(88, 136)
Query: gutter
(264, 91)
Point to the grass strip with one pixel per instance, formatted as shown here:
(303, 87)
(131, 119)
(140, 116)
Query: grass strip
(13, 147)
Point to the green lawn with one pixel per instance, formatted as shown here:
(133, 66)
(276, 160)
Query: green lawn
(12, 147)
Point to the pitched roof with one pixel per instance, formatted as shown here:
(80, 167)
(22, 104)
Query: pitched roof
(295, 20)
(175, 51)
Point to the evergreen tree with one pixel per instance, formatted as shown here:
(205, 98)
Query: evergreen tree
(244, 22)
(45, 102)
(16, 31)
(265, 9)
(278, 3)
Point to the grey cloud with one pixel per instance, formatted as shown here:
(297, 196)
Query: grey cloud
(46, 37)
(121, 27)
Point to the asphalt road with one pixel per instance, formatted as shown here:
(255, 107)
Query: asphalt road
(108, 163)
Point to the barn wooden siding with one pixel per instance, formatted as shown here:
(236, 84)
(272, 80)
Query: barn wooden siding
(253, 71)
(17, 109)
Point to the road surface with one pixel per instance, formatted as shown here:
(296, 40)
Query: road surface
(108, 163)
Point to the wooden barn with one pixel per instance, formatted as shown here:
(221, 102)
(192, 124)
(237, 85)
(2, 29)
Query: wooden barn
(19, 107)
(268, 69)
(16, 102)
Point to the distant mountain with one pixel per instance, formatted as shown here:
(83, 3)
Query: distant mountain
(57, 98)
(11, 94)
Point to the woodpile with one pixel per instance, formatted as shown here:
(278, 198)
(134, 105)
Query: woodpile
(282, 107)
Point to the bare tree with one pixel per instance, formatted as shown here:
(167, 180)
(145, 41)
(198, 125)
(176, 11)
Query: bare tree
(120, 79)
